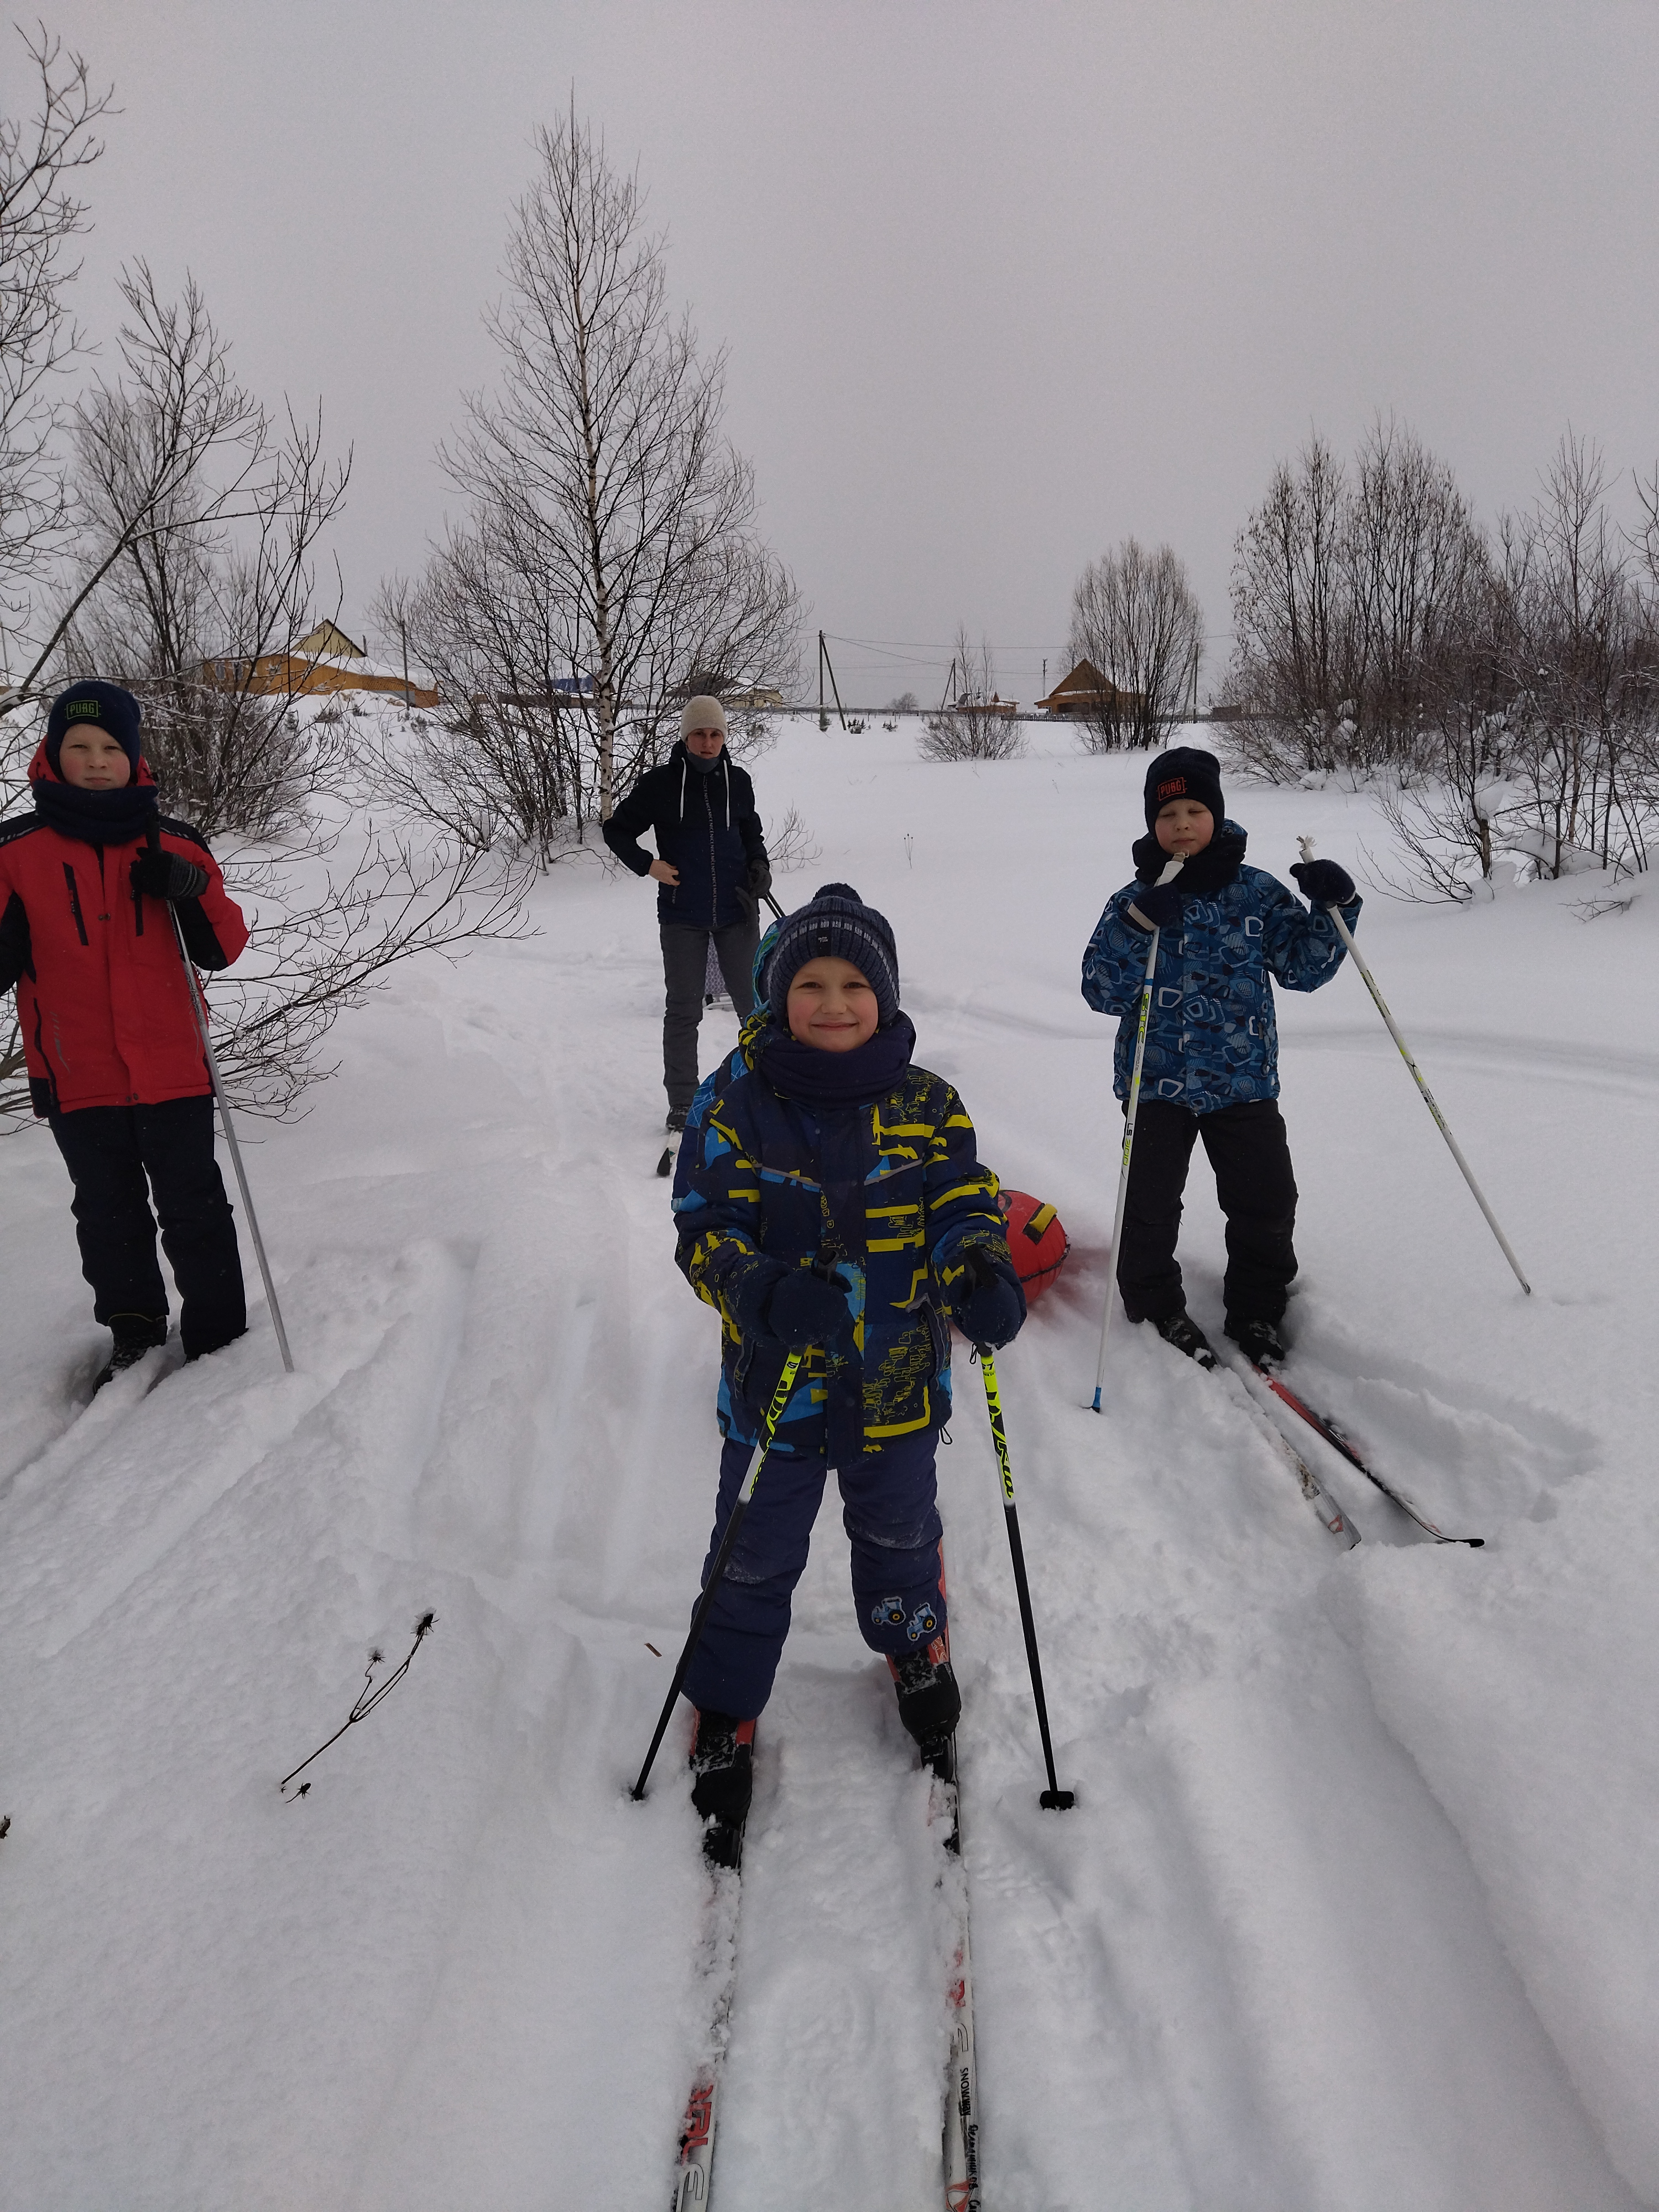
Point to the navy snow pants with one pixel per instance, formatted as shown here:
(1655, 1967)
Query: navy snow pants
(120, 1157)
(1251, 1156)
(891, 1517)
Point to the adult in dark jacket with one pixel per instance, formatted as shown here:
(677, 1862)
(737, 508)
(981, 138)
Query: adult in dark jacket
(711, 870)
(114, 1059)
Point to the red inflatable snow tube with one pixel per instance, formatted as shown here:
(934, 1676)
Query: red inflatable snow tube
(1036, 1238)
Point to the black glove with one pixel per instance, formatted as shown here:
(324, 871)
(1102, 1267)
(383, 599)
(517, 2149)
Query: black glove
(806, 1309)
(1324, 883)
(164, 875)
(1158, 906)
(760, 878)
(994, 1307)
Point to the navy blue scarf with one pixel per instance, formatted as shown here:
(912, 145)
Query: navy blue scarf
(96, 817)
(1212, 870)
(828, 1080)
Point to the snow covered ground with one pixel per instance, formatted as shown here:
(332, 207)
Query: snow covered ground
(1357, 1910)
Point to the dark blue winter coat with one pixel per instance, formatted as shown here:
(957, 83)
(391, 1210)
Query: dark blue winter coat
(1211, 1037)
(706, 825)
(765, 1184)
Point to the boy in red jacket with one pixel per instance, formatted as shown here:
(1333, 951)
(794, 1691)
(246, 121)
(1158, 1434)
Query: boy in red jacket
(115, 1063)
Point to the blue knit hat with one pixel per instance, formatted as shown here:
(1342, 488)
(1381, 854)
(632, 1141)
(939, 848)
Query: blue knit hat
(835, 925)
(105, 705)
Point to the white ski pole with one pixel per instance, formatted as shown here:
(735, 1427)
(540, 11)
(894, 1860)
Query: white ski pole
(1132, 1107)
(1358, 958)
(200, 1012)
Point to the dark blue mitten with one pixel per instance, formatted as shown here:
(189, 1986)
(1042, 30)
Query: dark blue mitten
(992, 1307)
(164, 875)
(1323, 884)
(1158, 906)
(806, 1309)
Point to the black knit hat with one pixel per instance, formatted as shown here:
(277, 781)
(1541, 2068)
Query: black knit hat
(836, 925)
(107, 706)
(1184, 772)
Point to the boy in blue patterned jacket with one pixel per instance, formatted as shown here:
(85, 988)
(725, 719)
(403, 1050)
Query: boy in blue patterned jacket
(829, 1200)
(1212, 1063)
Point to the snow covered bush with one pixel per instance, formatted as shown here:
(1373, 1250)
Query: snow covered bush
(1349, 597)
(975, 723)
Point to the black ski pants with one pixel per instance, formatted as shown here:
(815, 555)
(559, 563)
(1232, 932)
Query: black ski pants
(120, 1157)
(684, 964)
(1249, 1151)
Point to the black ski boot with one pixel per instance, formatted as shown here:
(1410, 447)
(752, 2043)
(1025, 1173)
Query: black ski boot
(1259, 1341)
(723, 1761)
(135, 1334)
(1183, 1332)
(930, 1705)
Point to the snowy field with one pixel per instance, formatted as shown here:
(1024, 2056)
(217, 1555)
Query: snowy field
(1357, 1912)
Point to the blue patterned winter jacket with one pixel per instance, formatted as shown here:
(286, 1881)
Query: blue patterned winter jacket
(1211, 1038)
(764, 1183)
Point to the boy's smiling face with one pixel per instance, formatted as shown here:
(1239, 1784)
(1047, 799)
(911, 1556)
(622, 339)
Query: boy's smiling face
(92, 760)
(1183, 827)
(830, 1005)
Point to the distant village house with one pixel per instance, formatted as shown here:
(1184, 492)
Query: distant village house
(1085, 693)
(325, 659)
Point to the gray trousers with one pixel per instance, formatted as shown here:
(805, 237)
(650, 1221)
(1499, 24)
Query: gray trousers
(685, 963)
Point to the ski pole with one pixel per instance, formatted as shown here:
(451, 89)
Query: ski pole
(1130, 1111)
(1358, 958)
(200, 1012)
(773, 1415)
(1054, 1799)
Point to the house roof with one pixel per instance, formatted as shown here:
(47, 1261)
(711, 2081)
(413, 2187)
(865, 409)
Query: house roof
(329, 638)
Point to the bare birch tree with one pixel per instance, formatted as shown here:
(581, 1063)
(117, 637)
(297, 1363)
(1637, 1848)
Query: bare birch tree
(1136, 616)
(215, 510)
(1584, 658)
(600, 478)
(41, 158)
(1353, 598)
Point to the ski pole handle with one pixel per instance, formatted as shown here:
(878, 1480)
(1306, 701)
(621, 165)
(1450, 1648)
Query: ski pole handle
(1440, 1121)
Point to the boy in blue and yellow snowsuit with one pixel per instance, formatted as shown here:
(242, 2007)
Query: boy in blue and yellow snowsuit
(829, 1199)
(1227, 932)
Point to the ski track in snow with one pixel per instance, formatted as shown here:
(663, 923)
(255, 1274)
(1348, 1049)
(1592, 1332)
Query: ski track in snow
(1355, 1911)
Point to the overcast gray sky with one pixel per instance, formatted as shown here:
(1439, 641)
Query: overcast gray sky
(1001, 285)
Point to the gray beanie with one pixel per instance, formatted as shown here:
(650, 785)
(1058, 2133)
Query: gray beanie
(702, 713)
(836, 925)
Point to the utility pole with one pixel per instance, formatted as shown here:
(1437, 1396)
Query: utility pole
(824, 663)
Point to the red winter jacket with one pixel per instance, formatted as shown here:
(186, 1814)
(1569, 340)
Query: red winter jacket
(102, 999)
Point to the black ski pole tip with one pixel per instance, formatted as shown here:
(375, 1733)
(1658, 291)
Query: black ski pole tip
(1057, 1801)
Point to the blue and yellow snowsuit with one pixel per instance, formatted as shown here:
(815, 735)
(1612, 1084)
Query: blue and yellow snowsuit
(894, 1189)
